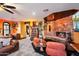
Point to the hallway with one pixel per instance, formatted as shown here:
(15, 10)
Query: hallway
(25, 49)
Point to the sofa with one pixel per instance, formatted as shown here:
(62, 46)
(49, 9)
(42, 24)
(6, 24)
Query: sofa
(12, 47)
(55, 49)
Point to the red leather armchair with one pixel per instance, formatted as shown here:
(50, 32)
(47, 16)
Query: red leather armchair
(55, 49)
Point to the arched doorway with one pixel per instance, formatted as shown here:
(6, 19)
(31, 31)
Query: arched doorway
(6, 29)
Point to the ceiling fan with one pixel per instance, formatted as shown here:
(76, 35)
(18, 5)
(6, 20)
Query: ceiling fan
(7, 7)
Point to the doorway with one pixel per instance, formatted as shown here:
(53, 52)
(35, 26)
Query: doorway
(6, 29)
(28, 28)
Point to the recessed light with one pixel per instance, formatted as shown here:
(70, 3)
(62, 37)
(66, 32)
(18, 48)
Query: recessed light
(33, 13)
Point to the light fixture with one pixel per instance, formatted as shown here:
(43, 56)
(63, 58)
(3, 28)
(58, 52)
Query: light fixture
(1, 6)
(33, 13)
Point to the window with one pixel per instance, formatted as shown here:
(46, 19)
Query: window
(76, 21)
(6, 29)
(49, 28)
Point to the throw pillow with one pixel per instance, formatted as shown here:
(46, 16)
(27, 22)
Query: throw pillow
(6, 42)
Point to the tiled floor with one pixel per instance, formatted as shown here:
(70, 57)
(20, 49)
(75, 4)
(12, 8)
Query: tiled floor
(25, 49)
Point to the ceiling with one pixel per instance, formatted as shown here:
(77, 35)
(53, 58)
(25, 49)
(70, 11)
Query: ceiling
(35, 10)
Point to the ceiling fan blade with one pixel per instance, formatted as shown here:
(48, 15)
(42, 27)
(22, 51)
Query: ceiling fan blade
(1, 3)
(7, 6)
(8, 10)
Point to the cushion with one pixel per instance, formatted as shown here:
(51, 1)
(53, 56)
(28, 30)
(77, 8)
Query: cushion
(13, 42)
(44, 42)
(56, 45)
(54, 52)
(56, 39)
(6, 42)
(36, 40)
